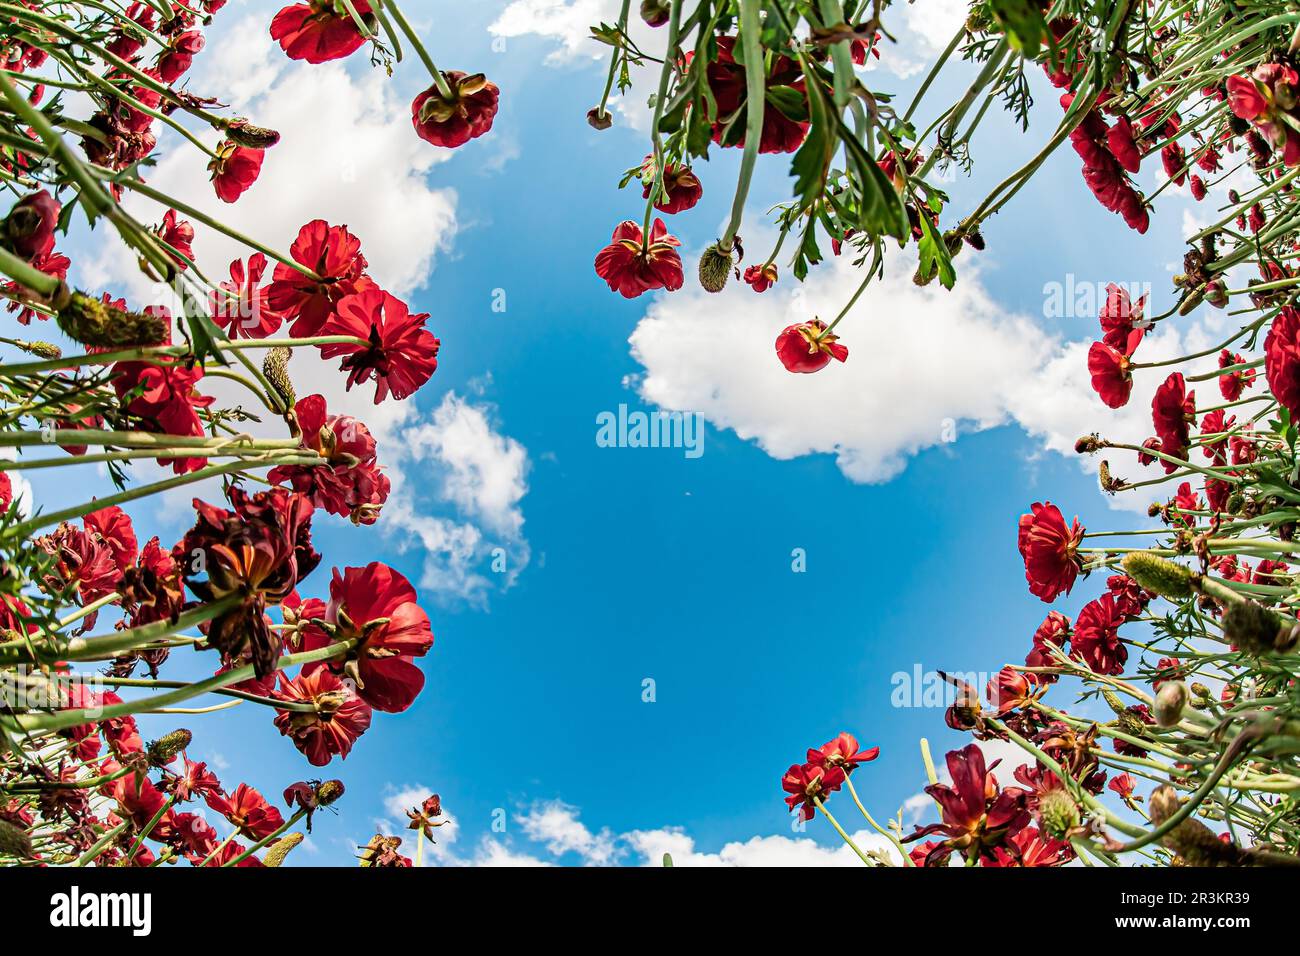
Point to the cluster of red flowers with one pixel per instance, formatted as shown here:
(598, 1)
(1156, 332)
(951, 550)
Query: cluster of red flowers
(824, 772)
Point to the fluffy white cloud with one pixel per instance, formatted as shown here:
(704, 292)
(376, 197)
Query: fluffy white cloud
(567, 22)
(554, 830)
(921, 360)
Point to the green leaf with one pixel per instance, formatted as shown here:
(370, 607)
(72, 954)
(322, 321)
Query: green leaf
(1023, 22)
(934, 254)
(791, 103)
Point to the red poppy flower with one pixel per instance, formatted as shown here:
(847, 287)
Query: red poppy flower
(240, 307)
(1267, 98)
(234, 169)
(334, 255)
(28, 230)
(1050, 550)
(807, 347)
(175, 61)
(632, 266)
(808, 783)
(1096, 636)
(1282, 359)
(1119, 316)
(378, 607)
(842, 752)
(162, 393)
(338, 719)
(453, 122)
(1172, 410)
(1055, 630)
(977, 816)
(320, 30)
(761, 278)
(179, 234)
(786, 93)
(248, 810)
(1232, 384)
(352, 484)
(402, 354)
(681, 187)
(1111, 371)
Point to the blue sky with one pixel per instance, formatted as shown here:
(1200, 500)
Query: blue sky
(630, 564)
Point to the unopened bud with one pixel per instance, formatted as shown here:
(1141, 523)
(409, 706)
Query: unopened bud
(1058, 813)
(1154, 573)
(599, 119)
(328, 792)
(715, 268)
(1087, 444)
(243, 133)
(280, 849)
(45, 350)
(275, 366)
(92, 322)
(654, 12)
(1171, 698)
(1255, 629)
(14, 841)
(165, 749)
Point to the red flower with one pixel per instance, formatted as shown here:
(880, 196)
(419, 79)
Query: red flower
(378, 607)
(28, 230)
(179, 234)
(681, 187)
(1123, 146)
(338, 719)
(1119, 316)
(977, 816)
(1172, 410)
(334, 255)
(248, 810)
(1131, 599)
(1232, 384)
(1112, 376)
(402, 354)
(1011, 690)
(726, 79)
(842, 752)
(1096, 636)
(113, 526)
(162, 393)
(1267, 97)
(1122, 785)
(808, 783)
(240, 307)
(1055, 630)
(1049, 548)
(234, 169)
(175, 61)
(454, 121)
(194, 781)
(319, 31)
(807, 347)
(352, 485)
(1282, 359)
(761, 278)
(632, 266)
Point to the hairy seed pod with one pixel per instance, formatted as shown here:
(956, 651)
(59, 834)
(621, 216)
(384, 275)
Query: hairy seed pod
(1058, 813)
(1154, 573)
(243, 133)
(14, 841)
(92, 322)
(1113, 702)
(1087, 444)
(1171, 698)
(280, 849)
(45, 350)
(328, 792)
(715, 268)
(1256, 630)
(276, 369)
(166, 748)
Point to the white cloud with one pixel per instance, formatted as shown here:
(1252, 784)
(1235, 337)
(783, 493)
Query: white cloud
(556, 825)
(920, 359)
(756, 851)
(567, 22)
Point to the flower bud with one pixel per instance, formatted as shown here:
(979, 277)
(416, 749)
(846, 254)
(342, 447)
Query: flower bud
(599, 119)
(654, 12)
(1256, 630)
(328, 792)
(1196, 843)
(28, 230)
(1171, 698)
(715, 268)
(974, 238)
(165, 749)
(14, 841)
(1154, 573)
(1087, 444)
(243, 133)
(45, 350)
(275, 366)
(1058, 813)
(92, 322)
(280, 849)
